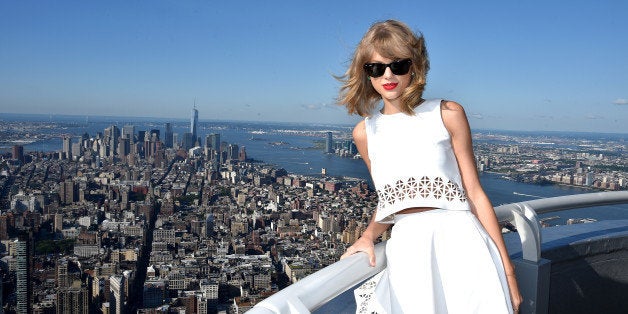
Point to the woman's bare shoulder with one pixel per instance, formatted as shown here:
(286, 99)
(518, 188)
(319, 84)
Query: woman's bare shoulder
(448, 105)
(454, 117)
(359, 131)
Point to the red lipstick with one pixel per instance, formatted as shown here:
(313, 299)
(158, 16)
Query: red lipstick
(390, 86)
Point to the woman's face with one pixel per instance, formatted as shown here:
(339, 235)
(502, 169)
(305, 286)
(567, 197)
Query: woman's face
(389, 85)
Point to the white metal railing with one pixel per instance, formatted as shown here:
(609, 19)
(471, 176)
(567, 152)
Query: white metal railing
(523, 215)
(324, 285)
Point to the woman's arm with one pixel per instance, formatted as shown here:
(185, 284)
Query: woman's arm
(374, 229)
(456, 123)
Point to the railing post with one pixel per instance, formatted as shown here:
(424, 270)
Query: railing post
(526, 222)
(532, 271)
(534, 281)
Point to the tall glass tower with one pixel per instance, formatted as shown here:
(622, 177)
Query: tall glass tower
(194, 123)
(67, 147)
(329, 143)
(24, 285)
(169, 136)
(214, 141)
(128, 131)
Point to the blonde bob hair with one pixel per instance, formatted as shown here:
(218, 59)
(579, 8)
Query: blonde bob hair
(393, 40)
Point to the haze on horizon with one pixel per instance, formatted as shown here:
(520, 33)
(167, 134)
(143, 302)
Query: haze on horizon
(531, 65)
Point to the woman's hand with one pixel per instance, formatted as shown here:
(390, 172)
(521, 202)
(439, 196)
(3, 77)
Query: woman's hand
(515, 296)
(362, 245)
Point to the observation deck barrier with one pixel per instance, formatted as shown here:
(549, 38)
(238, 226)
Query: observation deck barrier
(533, 272)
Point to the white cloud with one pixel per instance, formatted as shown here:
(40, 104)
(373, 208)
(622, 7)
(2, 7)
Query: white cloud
(593, 117)
(311, 107)
(542, 116)
(621, 101)
(321, 106)
(477, 116)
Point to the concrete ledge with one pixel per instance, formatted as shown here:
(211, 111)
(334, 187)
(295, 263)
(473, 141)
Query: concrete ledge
(589, 266)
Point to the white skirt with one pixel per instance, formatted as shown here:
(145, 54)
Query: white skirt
(439, 261)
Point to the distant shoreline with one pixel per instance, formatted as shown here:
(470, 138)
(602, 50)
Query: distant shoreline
(49, 117)
(583, 187)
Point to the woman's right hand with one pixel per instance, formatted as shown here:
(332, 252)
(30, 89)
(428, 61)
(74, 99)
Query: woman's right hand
(362, 245)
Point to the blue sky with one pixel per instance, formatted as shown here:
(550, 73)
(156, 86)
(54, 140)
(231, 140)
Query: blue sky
(515, 65)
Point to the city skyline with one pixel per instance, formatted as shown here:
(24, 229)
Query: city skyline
(119, 222)
(531, 66)
(152, 227)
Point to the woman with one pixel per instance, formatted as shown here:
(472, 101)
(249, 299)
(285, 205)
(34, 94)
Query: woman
(446, 253)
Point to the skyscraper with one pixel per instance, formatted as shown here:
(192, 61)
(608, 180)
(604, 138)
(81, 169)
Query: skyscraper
(175, 140)
(24, 286)
(72, 300)
(232, 151)
(188, 140)
(154, 293)
(128, 131)
(117, 296)
(67, 147)
(124, 147)
(329, 143)
(351, 148)
(209, 225)
(18, 153)
(194, 124)
(114, 136)
(152, 144)
(68, 192)
(4, 232)
(169, 136)
(214, 141)
(242, 154)
(154, 133)
(63, 280)
(58, 222)
(77, 150)
(141, 136)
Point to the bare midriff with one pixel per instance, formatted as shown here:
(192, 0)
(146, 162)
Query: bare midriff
(413, 210)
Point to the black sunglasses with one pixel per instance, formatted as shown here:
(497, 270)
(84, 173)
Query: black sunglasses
(399, 67)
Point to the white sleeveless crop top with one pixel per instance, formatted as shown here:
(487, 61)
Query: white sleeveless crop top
(412, 161)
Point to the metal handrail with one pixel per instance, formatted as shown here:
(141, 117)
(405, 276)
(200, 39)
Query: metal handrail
(524, 215)
(324, 285)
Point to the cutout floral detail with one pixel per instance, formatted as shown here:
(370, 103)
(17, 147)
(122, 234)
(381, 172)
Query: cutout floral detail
(438, 188)
(400, 190)
(412, 187)
(365, 295)
(425, 187)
